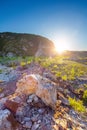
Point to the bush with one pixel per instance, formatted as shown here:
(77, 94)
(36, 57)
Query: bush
(23, 64)
(85, 97)
(1, 71)
(77, 105)
(64, 77)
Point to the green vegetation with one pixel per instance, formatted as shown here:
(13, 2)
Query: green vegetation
(18, 44)
(1, 71)
(64, 68)
(85, 97)
(77, 105)
(15, 61)
(85, 86)
(60, 66)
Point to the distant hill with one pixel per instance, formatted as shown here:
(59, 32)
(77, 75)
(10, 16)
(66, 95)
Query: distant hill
(76, 54)
(18, 44)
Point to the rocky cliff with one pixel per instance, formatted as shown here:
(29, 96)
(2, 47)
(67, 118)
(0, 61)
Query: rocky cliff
(16, 44)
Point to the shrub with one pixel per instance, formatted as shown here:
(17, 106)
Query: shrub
(1, 71)
(64, 77)
(22, 64)
(77, 105)
(85, 97)
(85, 85)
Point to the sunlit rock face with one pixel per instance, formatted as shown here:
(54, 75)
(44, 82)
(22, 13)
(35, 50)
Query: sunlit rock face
(42, 87)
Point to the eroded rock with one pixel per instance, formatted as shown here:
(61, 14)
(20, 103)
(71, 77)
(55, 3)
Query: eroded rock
(42, 87)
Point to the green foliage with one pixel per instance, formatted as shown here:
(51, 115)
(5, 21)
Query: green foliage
(61, 66)
(1, 71)
(22, 63)
(67, 70)
(85, 85)
(64, 77)
(77, 105)
(85, 97)
(23, 44)
(14, 61)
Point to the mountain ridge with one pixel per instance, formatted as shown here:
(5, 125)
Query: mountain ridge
(23, 44)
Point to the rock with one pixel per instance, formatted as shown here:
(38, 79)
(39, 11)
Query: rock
(19, 111)
(45, 127)
(35, 126)
(9, 74)
(26, 119)
(41, 110)
(62, 122)
(63, 99)
(4, 123)
(34, 118)
(28, 124)
(2, 102)
(42, 87)
(61, 128)
(2, 95)
(7, 121)
(27, 85)
(58, 103)
(55, 127)
(29, 100)
(32, 96)
(20, 115)
(11, 105)
(35, 99)
(39, 121)
(69, 124)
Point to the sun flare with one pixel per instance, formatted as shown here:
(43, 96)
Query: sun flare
(62, 43)
(59, 49)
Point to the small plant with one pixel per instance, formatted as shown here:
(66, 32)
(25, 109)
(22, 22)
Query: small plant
(1, 71)
(85, 85)
(85, 97)
(23, 64)
(64, 77)
(77, 105)
(55, 66)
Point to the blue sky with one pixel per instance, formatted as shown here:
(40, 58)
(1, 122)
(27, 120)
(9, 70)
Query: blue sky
(59, 20)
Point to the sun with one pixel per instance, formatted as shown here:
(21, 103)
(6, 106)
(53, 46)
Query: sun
(59, 49)
(62, 43)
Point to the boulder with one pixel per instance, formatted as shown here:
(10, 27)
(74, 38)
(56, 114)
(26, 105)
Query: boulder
(42, 87)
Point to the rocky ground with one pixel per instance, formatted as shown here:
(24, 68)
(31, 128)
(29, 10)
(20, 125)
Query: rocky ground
(32, 98)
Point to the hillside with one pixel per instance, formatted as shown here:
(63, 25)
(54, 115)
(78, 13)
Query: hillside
(43, 94)
(17, 44)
